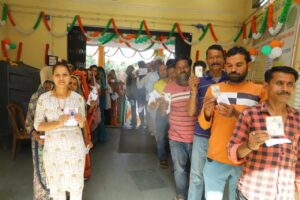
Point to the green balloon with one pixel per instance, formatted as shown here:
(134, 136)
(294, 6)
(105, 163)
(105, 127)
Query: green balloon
(12, 46)
(266, 50)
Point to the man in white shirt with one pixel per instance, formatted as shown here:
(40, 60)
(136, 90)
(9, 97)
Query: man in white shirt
(148, 82)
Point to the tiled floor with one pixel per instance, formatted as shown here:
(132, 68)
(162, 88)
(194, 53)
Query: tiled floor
(115, 176)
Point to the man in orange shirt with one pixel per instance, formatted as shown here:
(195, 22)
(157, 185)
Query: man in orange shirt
(222, 105)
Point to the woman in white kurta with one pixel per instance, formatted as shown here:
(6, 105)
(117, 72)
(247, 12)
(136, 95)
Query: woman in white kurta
(64, 149)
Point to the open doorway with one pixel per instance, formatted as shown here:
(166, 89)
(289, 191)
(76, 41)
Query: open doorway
(117, 58)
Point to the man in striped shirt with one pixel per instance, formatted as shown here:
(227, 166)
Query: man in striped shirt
(182, 125)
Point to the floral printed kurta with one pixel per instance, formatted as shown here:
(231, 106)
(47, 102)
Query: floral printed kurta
(39, 182)
(64, 149)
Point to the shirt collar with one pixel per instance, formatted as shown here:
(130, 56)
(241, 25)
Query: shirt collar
(208, 76)
(291, 111)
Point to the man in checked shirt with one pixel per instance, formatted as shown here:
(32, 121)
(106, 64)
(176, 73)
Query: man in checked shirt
(269, 172)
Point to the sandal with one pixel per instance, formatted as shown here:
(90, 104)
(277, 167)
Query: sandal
(163, 164)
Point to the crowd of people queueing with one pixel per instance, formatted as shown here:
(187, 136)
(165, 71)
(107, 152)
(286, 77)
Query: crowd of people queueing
(217, 125)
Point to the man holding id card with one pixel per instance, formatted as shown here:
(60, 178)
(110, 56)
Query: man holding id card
(222, 105)
(266, 141)
(199, 81)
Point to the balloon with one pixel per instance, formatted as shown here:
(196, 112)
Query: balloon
(252, 51)
(12, 45)
(266, 50)
(298, 1)
(275, 53)
(7, 46)
(253, 58)
(271, 56)
(276, 43)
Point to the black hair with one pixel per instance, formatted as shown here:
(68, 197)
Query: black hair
(129, 70)
(170, 62)
(200, 63)
(284, 69)
(83, 69)
(63, 64)
(101, 69)
(239, 50)
(215, 47)
(182, 57)
(64, 61)
(142, 64)
(93, 66)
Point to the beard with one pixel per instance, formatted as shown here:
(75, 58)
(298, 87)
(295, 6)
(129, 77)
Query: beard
(182, 79)
(237, 78)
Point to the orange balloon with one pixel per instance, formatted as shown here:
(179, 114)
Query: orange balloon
(276, 43)
(298, 1)
(252, 51)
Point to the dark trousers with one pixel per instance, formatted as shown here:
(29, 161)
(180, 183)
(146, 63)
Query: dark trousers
(133, 112)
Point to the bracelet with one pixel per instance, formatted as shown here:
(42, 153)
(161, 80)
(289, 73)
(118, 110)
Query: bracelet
(247, 145)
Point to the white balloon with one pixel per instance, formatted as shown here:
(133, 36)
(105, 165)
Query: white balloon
(276, 52)
(7, 46)
(272, 56)
(253, 58)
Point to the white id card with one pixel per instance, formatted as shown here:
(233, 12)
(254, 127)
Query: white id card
(223, 99)
(143, 71)
(275, 126)
(199, 71)
(168, 98)
(87, 149)
(71, 112)
(215, 90)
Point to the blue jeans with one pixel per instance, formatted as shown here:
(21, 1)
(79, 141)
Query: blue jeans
(199, 154)
(161, 132)
(180, 153)
(215, 176)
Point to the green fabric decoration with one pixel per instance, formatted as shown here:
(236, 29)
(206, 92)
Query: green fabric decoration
(38, 21)
(72, 24)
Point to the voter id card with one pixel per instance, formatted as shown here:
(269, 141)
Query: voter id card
(215, 90)
(199, 71)
(223, 99)
(275, 126)
(71, 121)
(168, 99)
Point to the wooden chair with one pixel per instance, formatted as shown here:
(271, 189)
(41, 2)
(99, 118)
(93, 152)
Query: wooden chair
(17, 119)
